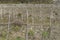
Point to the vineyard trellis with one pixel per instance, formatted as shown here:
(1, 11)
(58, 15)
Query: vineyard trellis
(31, 22)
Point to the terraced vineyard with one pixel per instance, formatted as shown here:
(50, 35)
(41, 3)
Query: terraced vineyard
(29, 22)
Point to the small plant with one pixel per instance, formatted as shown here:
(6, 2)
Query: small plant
(19, 15)
(19, 38)
(48, 17)
(30, 18)
(4, 34)
(30, 15)
(31, 33)
(16, 28)
(55, 13)
(45, 34)
(1, 38)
